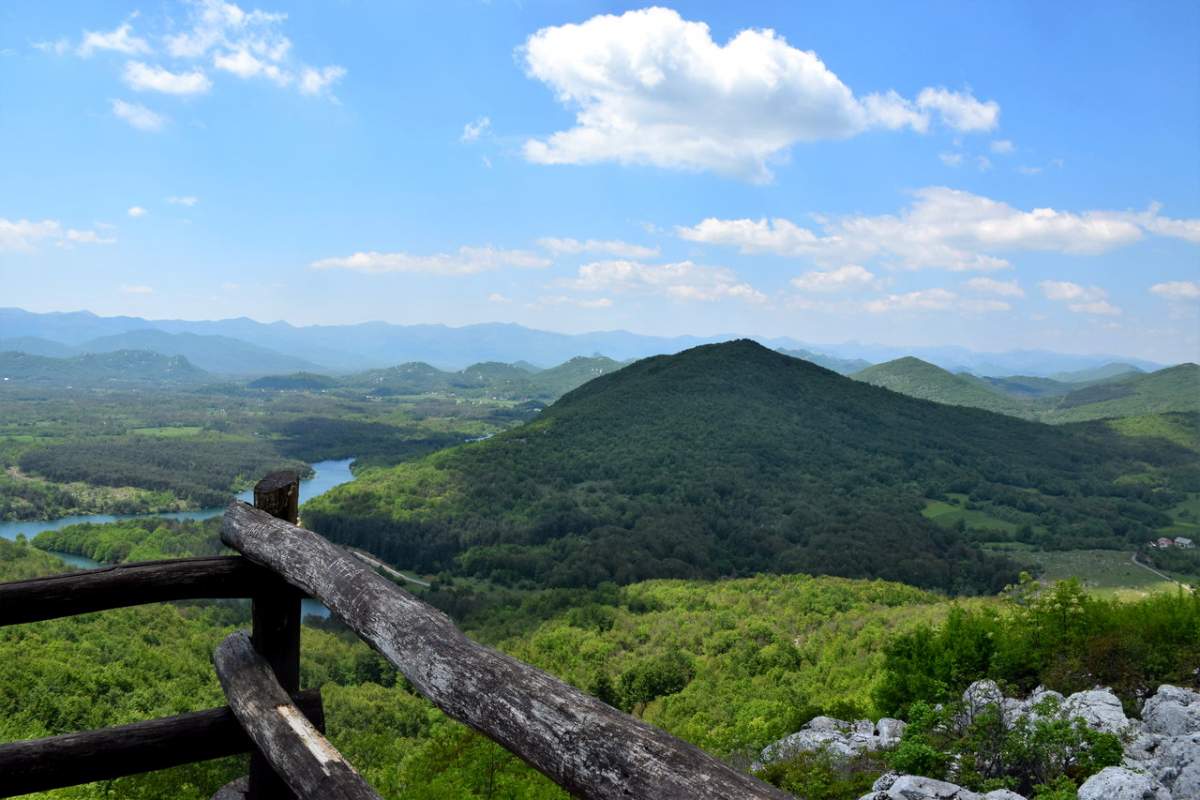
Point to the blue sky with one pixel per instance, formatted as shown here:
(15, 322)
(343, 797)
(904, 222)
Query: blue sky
(995, 175)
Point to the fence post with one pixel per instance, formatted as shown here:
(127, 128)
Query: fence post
(276, 618)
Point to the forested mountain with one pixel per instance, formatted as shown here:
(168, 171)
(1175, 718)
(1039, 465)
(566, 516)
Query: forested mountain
(845, 366)
(490, 379)
(1116, 393)
(124, 368)
(732, 459)
(917, 378)
(1175, 389)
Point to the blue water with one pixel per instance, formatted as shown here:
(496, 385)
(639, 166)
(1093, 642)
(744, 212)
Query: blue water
(326, 475)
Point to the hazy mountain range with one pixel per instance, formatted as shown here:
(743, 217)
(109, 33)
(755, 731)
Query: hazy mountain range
(243, 346)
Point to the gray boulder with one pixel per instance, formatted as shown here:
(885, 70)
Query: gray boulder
(979, 695)
(1172, 711)
(1119, 783)
(1100, 708)
(914, 787)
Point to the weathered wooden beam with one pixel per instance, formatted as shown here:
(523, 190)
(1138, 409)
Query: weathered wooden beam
(133, 584)
(584, 745)
(276, 624)
(74, 758)
(296, 750)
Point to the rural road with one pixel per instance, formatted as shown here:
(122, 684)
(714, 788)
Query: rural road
(374, 562)
(1133, 558)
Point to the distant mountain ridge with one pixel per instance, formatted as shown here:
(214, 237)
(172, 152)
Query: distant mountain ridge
(348, 348)
(1125, 392)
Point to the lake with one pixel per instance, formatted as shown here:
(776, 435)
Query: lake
(326, 475)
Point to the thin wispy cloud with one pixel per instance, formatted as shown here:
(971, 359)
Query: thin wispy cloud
(138, 116)
(464, 261)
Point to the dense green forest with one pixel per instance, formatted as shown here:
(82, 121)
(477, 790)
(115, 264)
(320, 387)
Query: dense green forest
(730, 666)
(732, 459)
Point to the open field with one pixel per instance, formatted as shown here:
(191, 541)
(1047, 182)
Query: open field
(1108, 572)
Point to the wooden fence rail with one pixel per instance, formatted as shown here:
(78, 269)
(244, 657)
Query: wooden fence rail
(589, 748)
(40, 765)
(579, 742)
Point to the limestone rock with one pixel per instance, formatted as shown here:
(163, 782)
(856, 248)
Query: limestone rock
(1100, 708)
(1119, 783)
(1172, 711)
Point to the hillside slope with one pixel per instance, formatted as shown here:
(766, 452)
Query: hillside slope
(732, 459)
(1172, 390)
(124, 368)
(917, 378)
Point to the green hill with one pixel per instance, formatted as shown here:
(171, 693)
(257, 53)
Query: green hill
(844, 366)
(732, 459)
(555, 382)
(1113, 370)
(122, 369)
(1171, 390)
(917, 378)
(296, 381)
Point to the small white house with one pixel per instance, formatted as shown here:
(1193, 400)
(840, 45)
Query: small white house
(1184, 542)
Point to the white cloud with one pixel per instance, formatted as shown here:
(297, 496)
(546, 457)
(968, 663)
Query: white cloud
(680, 281)
(1187, 229)
(57, 47)
(923, 300)
(183, 200)
(983, 162)
(316, 81)
(138, 116)
(943, 228)
(652, 88)
(136, 289)
(136, 211)
(496, 297)
(1002, 147)
(567, 246)
(960, 110)
(844, 278)
(141, 77)
(992, 286)
(245, 65)
(121, 40)
(1177, 290)
(1027, 170)
(465, 261)
(951, 159)
(473, 130)
(1080, 299)
(24, 235)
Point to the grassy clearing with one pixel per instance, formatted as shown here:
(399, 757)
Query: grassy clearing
(948, 513)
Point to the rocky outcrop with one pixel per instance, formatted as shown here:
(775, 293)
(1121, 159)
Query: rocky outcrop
(1118, 783)
(1162, 750)
(1166, 744)
(837, 736)
(914, 787)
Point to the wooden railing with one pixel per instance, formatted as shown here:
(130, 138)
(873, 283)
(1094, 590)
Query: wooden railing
(585, 746)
